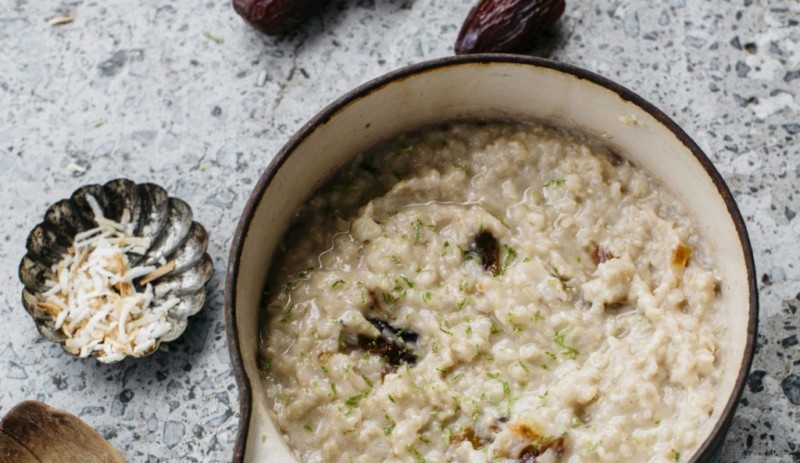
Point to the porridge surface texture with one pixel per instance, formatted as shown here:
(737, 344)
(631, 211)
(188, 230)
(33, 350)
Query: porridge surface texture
(546, 297)
(185, 95)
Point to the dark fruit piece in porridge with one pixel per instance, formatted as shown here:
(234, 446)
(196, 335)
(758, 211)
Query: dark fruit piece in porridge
(392, 345)
(485, 249)
(601, 255)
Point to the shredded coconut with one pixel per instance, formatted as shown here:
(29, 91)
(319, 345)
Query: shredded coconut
(93, 299)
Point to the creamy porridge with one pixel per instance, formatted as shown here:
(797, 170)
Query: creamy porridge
(492, 292)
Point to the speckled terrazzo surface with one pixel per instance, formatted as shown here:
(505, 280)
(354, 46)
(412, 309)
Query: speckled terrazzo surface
(185, 95)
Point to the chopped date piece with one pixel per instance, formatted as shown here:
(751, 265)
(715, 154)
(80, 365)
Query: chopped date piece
(383, 326)
(494, 26)
(680, 256)
(539, 444)
(536, 449)
(392, 344)
(276, 17)
(468, 434)
(393, 351)
(485, 248)
(601, 255)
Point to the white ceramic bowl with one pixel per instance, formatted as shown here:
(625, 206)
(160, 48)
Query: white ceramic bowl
(482, 87)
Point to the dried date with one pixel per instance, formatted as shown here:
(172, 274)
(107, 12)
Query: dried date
(276, 17)
(485, 248)
(496, 26)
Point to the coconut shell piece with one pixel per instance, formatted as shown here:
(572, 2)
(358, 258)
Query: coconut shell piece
(37, 433)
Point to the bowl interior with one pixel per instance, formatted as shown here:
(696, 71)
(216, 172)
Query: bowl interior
(481, 88)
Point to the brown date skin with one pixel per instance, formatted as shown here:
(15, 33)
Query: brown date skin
(506, 26)
(276, 17)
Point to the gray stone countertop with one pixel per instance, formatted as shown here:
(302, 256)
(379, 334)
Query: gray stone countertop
(185, 95)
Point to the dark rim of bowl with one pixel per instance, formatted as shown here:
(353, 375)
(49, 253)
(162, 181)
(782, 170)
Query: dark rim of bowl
(717, 436)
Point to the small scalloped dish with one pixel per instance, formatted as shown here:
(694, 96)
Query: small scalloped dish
(115, 270)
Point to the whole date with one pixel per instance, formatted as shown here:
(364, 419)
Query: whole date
(276, 17)
(495, 26)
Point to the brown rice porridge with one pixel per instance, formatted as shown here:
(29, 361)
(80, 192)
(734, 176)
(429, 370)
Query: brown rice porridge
(492, 292)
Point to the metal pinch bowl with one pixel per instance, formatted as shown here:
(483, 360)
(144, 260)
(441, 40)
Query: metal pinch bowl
(166, 221)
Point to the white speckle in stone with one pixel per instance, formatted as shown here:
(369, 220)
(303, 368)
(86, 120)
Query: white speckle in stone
(173, 433)
(694, 42)
(170, 142)
(631, 24)
(773, 104)
(152, 423)
(262, 78)
(15, 371)
(218, 421)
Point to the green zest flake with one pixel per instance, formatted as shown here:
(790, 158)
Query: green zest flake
(394, 259)
(468, 331)
(353, 400)
(506, 387)
(285, 318)
(388, 298)
(427, 296)
(566, 350)
(213, 38)
(576, 423)
(511, 254)
(523, 366)
(676, 456)
(408, 282)
(263, 438)
(435, 346)
(527, 259)
(393, 213)
(413, 450)
(545, 395)
(417, 230)
(550, 354)
(537, 317)
(592, 447)
(456, 377)
(348, 431)
(657, 421)
(369, 383)
(554, 182)
(333, 390)
(495, 329)
(388, 429)
(544, 367)
(337, 284)
(303, 274)
(265, 364)
(445, 331)
(424, 439)
(391, 399)
(307, 427)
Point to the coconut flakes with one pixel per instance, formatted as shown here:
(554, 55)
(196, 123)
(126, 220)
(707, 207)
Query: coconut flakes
(93, 300)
